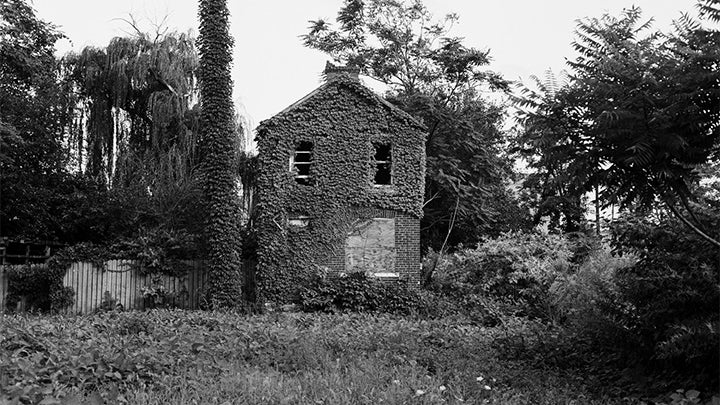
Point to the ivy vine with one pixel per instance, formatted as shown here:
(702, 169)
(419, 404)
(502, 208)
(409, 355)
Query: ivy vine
(342, 119)
(219, 149)
(152, 253)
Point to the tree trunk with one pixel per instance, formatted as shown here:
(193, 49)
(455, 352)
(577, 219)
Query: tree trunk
(597, 211)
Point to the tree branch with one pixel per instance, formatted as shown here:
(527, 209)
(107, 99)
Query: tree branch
(428, 275)
(691, 225)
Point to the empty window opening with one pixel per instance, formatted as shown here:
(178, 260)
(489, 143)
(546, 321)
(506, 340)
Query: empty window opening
(301, 162)
(383, 163)
(298, 221)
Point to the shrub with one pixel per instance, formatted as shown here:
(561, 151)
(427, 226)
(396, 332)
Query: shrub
(31, 284)
(589, 296)
(674, 290)
(511, 273)
(355, 292)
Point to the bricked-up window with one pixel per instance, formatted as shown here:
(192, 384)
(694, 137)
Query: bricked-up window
(301, 162)
(383, 163)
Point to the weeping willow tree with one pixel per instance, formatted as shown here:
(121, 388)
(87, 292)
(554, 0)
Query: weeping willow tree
(219, 154)
(136, 128)
(136, 113)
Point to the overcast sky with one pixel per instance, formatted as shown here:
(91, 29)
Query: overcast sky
(272, 69)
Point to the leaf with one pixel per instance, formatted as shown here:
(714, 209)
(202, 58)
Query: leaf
(95, 399)
(72, 400)
(692, 394)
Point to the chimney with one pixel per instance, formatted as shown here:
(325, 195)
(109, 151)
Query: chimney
(332, 72)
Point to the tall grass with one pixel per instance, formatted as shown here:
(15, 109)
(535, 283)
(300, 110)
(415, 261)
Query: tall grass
(184, 357)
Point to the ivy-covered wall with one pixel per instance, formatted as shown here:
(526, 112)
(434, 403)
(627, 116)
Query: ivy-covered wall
(342, 119)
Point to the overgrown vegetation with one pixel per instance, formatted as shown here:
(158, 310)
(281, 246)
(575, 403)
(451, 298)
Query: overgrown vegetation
(643, 323)
(522, 317)
(219, 178)
(356, 292)
(210, 357)
(341, 119)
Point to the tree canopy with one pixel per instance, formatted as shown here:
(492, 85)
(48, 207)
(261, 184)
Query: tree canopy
(639, 116)
(435, 77)
(35, 110)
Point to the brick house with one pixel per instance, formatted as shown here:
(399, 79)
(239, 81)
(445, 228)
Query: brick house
(340, 187)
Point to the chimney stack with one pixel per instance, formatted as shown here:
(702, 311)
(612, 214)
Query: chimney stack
(332, 72)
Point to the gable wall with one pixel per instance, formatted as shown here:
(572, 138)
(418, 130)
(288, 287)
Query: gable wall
(342, 125)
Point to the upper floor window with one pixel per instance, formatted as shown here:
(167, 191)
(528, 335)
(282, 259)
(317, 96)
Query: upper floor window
(383, 163)
(301, 162)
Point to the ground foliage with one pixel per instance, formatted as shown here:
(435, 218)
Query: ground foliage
(357, 292)
(644, 323)
(341, 119)
(214, 357)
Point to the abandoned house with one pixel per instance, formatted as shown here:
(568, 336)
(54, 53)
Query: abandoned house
(340, 187)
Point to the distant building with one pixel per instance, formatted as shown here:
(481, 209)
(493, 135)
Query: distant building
(340, 187)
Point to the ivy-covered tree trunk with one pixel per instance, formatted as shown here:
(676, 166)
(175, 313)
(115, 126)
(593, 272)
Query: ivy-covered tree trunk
(215, 46)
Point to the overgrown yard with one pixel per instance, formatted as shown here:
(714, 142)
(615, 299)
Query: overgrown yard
(163, 357)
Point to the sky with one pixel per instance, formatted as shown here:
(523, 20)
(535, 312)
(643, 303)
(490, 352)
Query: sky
(272, 69)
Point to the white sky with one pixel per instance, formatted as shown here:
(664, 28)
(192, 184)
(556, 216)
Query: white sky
(272, 69)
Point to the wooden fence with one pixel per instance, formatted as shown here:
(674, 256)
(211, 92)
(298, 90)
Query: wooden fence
(119, 284)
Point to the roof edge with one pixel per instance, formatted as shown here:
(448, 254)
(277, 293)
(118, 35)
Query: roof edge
(356, 86)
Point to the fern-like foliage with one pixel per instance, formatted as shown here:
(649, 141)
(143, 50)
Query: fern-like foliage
(709, 9)
(640, 114)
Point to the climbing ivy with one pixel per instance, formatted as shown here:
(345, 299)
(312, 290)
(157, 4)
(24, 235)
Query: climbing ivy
(219, 178)
(153, 253)
(342, 119)
(42, 285)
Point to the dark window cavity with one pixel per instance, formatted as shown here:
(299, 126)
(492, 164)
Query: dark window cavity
(383, 163)
(301, 162)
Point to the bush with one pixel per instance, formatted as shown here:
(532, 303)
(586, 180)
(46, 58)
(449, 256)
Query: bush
(356, 292)
(511, 274)
(589, 296)
(649, 308)
(674, 291)
(30, 284)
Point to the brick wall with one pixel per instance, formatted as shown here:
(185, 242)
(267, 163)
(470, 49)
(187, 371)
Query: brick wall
(407, 244)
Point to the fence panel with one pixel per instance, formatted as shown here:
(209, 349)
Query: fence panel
(121, 284)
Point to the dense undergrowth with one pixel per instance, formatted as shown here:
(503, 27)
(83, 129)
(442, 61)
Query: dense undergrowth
(641, 319)
(211, 357)
(521, 318)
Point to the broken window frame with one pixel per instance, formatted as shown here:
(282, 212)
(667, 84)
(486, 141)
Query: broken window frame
(298, 166)
(385, 165)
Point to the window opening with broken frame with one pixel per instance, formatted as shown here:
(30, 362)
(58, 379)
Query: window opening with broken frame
(301, 162)
(383, 163)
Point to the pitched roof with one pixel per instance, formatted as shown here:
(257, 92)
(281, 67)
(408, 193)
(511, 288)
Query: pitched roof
(358, 88)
